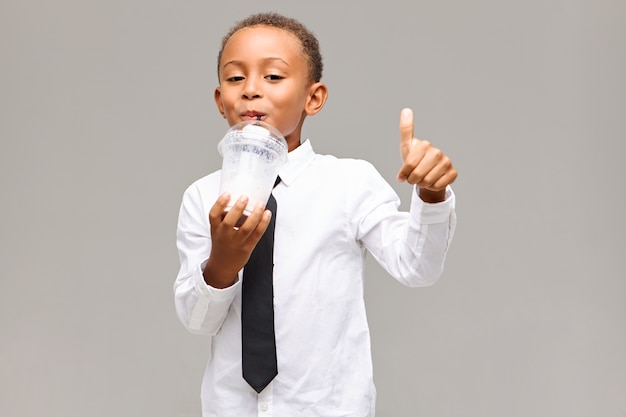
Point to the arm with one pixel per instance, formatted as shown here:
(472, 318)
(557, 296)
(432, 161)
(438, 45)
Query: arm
(432, 214)
(413, 249)
(206, 286)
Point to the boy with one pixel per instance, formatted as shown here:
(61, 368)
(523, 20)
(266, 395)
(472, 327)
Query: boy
(329, 212)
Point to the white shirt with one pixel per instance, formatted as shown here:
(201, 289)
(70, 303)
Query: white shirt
(330, 211)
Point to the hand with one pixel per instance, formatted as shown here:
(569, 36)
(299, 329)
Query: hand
(423, 165)
(233, 238)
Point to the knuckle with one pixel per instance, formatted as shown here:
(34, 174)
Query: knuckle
(416, 177)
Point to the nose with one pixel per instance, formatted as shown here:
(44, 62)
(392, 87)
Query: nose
(251, 88)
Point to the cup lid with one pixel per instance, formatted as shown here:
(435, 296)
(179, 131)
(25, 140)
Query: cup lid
(255, 130)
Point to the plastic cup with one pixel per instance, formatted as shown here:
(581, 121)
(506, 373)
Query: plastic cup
(252, 151)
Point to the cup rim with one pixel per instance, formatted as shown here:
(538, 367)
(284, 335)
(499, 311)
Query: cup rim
(235, 133)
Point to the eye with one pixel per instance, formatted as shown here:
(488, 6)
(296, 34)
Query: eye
(235, 78)
(274, 77)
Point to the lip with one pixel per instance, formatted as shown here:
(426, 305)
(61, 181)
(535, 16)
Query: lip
(253, 115)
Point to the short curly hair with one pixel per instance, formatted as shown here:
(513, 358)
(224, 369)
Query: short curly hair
(310, 44)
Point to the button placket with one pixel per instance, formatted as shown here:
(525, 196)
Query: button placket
(265, 401)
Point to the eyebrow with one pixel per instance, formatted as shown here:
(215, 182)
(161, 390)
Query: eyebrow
(268, 59)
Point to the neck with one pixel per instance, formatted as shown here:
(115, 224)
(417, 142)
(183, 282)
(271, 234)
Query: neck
(293, 145)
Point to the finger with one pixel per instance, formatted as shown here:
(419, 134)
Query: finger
(413, 158)
(217, 211)
(234, 216)
(438, 177)
(256, 234)
(253, 220)
(406, 131)
(438, 184)
(426, 165)
(427, 179)
(448, 178)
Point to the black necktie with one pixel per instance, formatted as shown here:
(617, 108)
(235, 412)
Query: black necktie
(258, 343)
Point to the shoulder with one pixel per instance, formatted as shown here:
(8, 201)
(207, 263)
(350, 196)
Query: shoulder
(357, 166)
(205, 188)
(355, 184)
(348, 176)
(208, 181)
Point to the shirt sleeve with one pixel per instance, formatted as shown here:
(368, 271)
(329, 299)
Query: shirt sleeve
(201, 308)
(411, 246)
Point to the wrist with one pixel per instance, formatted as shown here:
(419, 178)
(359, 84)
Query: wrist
(429, 196)
(218, 277)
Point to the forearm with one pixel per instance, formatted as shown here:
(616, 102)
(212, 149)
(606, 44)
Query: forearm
(412, 247)
(201, 308)
(203, 290)
(431, 226)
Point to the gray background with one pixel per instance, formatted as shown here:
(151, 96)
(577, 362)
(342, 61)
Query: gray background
(107, 115)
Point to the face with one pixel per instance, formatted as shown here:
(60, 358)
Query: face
(264, 75)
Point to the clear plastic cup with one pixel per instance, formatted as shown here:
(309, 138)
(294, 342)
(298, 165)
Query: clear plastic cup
(252, 151)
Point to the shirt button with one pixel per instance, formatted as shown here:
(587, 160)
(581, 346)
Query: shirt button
(264, 407)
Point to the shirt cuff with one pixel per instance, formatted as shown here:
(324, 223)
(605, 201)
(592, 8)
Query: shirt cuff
(432, 213)
(215, 294)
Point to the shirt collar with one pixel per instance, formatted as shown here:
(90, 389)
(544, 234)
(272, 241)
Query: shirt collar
(297, 161)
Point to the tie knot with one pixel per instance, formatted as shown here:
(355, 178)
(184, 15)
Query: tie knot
(276, 182)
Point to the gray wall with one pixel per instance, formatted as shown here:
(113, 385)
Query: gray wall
(107, 115)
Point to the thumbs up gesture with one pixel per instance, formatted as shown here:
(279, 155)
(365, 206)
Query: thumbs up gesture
(423, 165)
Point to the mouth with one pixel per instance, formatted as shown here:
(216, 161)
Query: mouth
(253, 115)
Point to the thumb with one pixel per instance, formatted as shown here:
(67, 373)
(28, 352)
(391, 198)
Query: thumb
(406, 131)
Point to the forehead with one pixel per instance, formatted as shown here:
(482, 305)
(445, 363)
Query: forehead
(263, 40)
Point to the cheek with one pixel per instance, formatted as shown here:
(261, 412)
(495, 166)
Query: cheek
(292, 111)
(228, 107)
(292, 105)
(227, 99)
(289, 125)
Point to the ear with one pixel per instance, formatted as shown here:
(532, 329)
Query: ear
(217, 96)
(318, 93)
